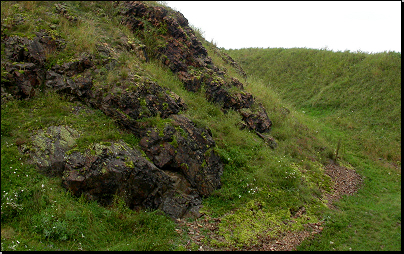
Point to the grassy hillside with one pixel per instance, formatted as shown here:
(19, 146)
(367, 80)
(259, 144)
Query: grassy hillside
(352, 91)
(262, 188)
(355, 99)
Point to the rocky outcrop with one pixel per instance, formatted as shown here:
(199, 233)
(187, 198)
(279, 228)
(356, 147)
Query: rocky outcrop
(26, 73)
(107, 170)
(20, 49)
(49, 148)
(185, 165)
(22, 79)
(182, 147)
(145, 100)
(233, 63)
(25, 63)
(118, 170)
(185, 55)
(62, 10)
(257, 121)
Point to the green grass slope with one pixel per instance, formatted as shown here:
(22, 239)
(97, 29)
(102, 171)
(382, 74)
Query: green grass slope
(353, 91)
(355, 99)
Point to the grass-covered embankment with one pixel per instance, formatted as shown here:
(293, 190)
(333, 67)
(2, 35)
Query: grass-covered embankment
(355, 98)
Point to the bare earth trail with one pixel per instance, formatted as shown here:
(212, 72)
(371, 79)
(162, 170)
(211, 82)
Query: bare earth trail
(346, 182)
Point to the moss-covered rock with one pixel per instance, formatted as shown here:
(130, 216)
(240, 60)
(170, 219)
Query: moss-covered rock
(185, 55)
(191, 154)
(107, 169)
(49, 148)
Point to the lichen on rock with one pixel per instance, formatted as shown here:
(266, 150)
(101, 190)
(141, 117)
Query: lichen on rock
(108, 169)
(49, 148)
(189, 156)
(185, 55)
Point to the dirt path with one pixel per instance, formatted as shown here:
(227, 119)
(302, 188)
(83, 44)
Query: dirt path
(346, 182)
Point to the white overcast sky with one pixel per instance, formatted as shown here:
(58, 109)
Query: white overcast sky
(368, 26)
